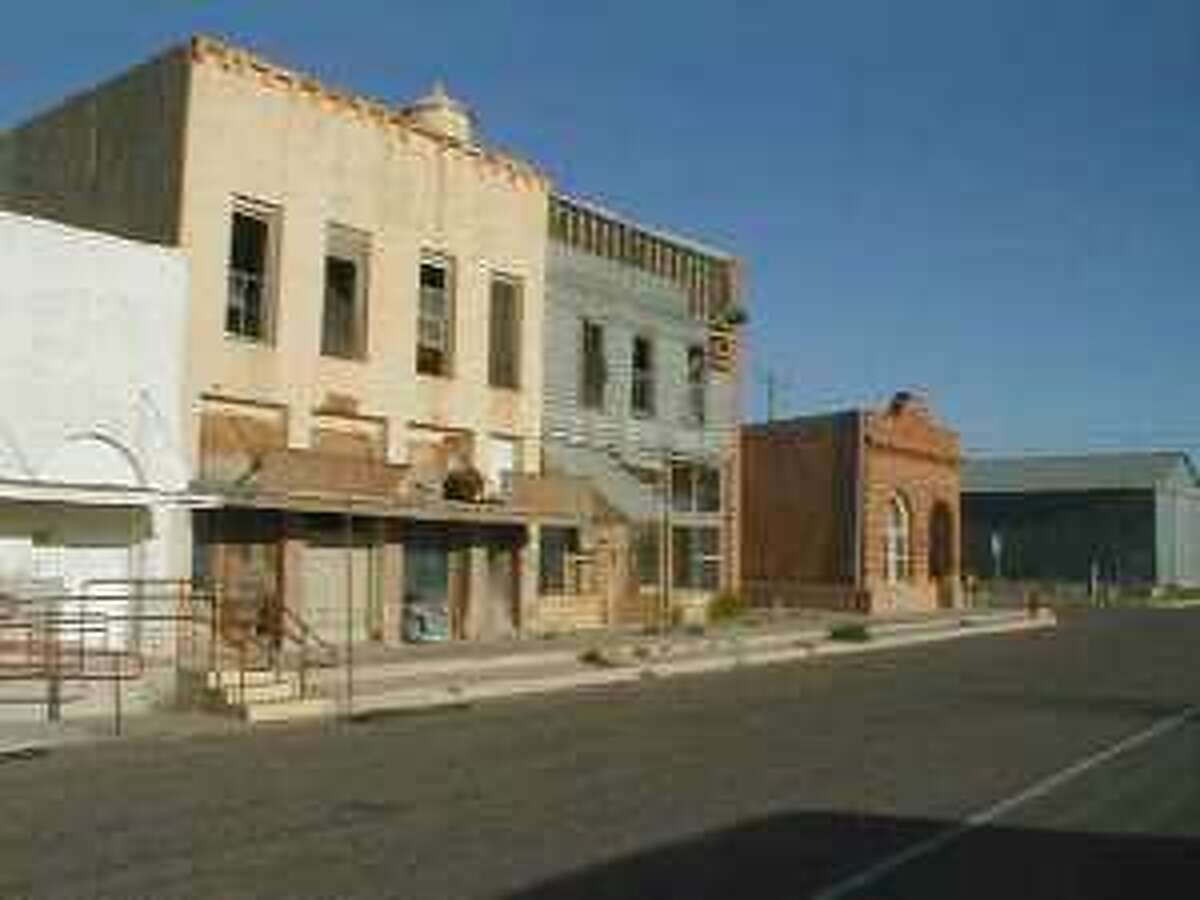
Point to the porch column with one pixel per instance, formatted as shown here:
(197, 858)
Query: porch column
(479, 598)
(293, 579)
(392, 564)
(527, 582)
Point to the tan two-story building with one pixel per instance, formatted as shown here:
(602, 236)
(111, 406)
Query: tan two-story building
(364, 357)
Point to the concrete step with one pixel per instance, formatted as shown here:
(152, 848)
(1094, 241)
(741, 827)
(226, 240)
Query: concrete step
(231, 677)
(294, 710)
(276, 692)
(468, 663)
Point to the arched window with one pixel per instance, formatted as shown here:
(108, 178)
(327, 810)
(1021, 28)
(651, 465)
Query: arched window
(898, 541)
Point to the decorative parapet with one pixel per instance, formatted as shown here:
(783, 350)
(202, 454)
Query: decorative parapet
(206, 50)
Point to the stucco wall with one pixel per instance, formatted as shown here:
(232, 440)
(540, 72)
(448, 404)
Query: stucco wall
(92, 366)
(322, 160)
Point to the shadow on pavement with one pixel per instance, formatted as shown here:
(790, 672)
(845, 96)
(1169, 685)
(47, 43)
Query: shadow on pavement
(799, 855)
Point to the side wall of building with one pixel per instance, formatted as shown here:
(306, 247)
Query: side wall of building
(109, 159)
(1054, 536)
(92, 366)
(798, 515)
(1177, 515)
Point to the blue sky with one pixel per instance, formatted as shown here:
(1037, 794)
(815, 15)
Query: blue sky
(995, 202)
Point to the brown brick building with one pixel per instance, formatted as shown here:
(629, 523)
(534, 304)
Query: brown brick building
(852, 510)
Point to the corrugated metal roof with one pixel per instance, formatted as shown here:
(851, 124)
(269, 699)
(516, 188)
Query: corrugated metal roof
(1090, 472)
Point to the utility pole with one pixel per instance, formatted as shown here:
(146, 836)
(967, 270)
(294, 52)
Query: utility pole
(771, 387)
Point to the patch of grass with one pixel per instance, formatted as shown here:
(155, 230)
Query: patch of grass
(726, 606)
(854, 632)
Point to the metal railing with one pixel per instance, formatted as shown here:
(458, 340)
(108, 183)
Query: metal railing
(95, 637)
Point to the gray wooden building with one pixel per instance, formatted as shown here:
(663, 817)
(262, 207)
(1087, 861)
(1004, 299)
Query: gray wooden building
(640, 400)
(1131, 519)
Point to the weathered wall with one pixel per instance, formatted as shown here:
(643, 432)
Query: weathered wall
(92, 368)
(627, 302)
(323, 159)
(908, 453)
(798, 518)
(108, 159)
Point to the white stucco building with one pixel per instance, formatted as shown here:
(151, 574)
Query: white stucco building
(92, 473)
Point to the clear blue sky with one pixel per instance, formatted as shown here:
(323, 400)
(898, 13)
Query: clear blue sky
(997, 202)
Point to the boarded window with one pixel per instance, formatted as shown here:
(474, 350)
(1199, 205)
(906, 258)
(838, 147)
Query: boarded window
(642, 387)
(344, 319)
(435, 318)
(504, 349)
(594, 369)
(252, 237)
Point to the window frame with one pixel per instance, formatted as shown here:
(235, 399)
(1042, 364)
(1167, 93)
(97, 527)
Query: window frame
(593, 366)
(897, 537)
(445, 368)
(554, 578)
(696, 567)
(498, 378)
(642, 380)
(270, 216)
(348, 245)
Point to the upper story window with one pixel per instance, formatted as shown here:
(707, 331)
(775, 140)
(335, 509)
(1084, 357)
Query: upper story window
(344, 319)
(435, 318)
(593, 367)
(504, 333)
(250, 300)
(642, 385)
(697, 387)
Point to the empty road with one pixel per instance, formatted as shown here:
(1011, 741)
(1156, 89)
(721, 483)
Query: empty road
(1061, 763)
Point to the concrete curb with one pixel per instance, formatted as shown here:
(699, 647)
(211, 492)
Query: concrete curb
(458, 695)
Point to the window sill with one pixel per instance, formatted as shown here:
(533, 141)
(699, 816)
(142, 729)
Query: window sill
(338, 358)
(243, 340)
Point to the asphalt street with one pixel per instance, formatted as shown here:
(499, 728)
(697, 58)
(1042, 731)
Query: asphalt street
(1062, 763)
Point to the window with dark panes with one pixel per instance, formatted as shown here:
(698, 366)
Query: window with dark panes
(249, 296)
(696, 559)
(555, 548)
(504, 346)
(642, 385)
(697, 386)
(344, 319)
(593, 367)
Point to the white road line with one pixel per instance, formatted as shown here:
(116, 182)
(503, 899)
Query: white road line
(881, 870)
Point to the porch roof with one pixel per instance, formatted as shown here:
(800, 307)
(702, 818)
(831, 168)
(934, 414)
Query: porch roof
(382, 507)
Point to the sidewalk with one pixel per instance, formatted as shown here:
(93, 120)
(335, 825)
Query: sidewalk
(418, 678)
(411, 678)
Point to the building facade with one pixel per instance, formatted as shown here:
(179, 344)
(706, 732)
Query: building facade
(856, 510)
(1130, 520)
(363, 337)
(93, 472)
(640, 401)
